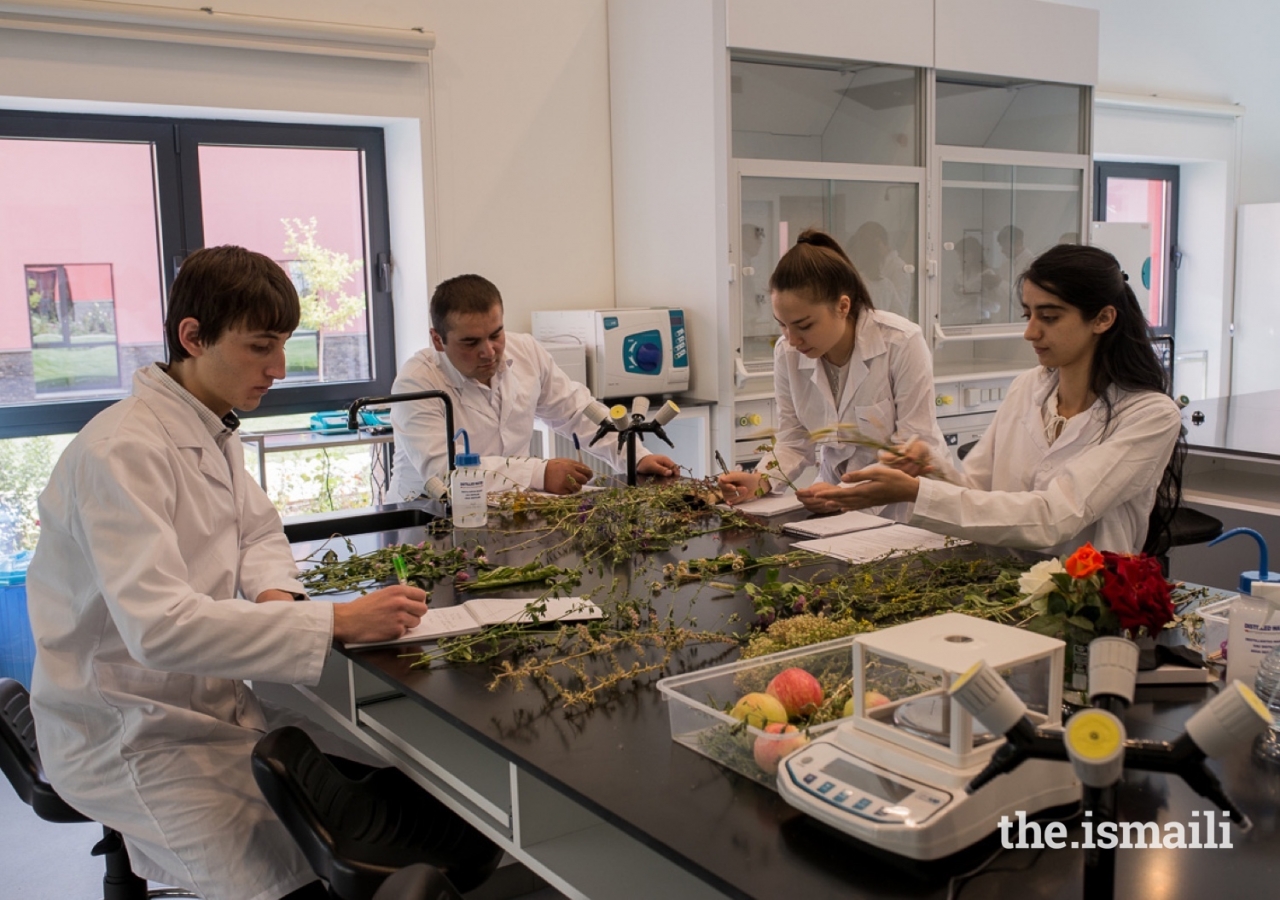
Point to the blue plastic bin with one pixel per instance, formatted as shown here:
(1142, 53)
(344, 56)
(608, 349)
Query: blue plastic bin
(17, 646)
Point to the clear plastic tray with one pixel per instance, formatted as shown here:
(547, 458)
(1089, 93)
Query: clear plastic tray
(699, 702)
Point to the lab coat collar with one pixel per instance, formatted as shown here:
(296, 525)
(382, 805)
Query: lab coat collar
(1079, 427)
(868, 343)
(182, 424)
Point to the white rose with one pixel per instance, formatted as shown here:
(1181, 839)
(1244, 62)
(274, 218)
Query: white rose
(1038, 580)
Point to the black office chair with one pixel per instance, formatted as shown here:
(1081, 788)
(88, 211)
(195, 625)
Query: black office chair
(417, 882)
(356, 832)
(20, 759)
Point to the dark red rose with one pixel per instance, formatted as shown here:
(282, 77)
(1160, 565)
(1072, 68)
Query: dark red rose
(1135, 589)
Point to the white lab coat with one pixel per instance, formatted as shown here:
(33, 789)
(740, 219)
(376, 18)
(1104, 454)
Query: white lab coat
(888, 397)
(1018, 491)
(149, 537)
(530, 385)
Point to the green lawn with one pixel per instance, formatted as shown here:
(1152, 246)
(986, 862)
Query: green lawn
(75, 368)
(300, 355)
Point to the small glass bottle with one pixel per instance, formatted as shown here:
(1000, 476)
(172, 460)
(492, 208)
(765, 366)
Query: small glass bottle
(1267, 687)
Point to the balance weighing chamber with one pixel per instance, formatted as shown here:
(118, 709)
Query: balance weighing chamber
(894, 775)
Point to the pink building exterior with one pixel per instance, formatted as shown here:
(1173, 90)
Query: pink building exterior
(82, 202)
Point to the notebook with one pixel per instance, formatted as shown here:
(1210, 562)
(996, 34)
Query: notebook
(876, 543)
(481, 612)
(770, 505)
(829, 526)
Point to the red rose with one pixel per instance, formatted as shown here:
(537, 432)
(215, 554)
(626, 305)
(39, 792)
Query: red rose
(1136, 591)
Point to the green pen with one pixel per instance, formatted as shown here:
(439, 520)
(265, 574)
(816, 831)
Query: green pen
(402, 571)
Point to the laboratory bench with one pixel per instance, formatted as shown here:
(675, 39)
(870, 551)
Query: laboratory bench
(604, 804)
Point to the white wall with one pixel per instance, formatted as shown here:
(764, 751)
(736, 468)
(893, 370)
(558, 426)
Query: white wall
(519, 188)
(1193, 50)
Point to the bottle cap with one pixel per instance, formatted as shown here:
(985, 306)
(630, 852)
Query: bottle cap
(467, 459)
(1113, 667)
(1095, 746)
(640, 406)
(987, 697)
(596, 412)
(1233, 717)
(668, 412)
(435, 488)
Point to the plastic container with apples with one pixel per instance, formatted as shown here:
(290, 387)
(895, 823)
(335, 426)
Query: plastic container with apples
(749, 714)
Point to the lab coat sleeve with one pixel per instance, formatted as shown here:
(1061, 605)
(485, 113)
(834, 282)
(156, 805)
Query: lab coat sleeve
(126, 523)
(792, 446)
(561, 402)
(911, 372)
(265, 559)
(1129, 461)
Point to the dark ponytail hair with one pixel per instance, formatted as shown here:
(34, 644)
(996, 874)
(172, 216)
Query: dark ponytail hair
(1090, 279)
(819, 267)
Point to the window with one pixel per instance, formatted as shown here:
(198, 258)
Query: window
(1144, 197)
(97, 213)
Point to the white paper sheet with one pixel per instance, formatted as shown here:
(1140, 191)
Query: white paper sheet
(770, 504)
(829, 526)
(864, 546)
(481, 612)
(507, 610)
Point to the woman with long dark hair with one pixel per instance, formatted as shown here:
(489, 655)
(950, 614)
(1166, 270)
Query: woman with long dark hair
(1085, 447)
(845, 374)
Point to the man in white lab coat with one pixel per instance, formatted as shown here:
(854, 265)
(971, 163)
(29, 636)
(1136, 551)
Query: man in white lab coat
(498, 382)
(154, 595)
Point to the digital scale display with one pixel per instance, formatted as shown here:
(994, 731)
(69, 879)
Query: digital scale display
(866, 780)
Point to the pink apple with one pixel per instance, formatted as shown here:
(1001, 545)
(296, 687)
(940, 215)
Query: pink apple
(759, 710)
(769, 751)
(800, 692)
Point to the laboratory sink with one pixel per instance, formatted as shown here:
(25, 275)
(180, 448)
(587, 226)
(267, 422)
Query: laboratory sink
(356, 521)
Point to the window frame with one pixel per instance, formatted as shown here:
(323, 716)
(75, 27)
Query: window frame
(175, 143)
(1151, 172)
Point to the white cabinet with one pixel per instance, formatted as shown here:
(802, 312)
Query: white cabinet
(737, 123)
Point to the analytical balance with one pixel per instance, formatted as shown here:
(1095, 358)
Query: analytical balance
(894, 775)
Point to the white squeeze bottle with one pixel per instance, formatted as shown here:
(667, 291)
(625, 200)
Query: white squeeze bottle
(1254, 630)
(466, 488)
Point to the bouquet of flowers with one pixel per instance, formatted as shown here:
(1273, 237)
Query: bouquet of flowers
(1089, 594)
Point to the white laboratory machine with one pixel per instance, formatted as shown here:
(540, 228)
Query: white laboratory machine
(629, 351)
(894, 775)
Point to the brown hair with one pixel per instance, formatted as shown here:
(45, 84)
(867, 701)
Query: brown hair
(229, 287)
(819, 267)
(462, 294)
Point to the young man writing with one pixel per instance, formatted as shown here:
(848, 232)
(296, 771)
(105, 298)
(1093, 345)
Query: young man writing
(498, 383)
(151, 597)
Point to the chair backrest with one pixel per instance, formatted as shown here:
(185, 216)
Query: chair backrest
(20, 757)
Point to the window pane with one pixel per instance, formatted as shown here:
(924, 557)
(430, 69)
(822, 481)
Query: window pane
(303, 208)
(81, 296)
(1146, 200)
(1010, 116)
(876, 222)
(995, 221)
(852, 113)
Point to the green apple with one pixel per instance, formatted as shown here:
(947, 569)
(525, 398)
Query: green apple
(870, 700)
(759, 710)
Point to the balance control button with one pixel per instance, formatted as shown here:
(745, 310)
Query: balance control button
(840, 797)
(862, 804)
(810, 778)
(827, 787)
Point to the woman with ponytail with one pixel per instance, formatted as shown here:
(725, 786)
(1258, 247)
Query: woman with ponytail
(1085, 447)
(845, 375)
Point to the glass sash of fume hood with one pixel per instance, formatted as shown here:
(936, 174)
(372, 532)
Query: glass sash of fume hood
(876, 220)
(996, 217)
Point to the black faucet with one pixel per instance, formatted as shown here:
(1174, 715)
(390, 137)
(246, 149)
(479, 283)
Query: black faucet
(353, 412)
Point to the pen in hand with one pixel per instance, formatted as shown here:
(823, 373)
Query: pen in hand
(402, 570)
(720, 461)
(577, 449)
